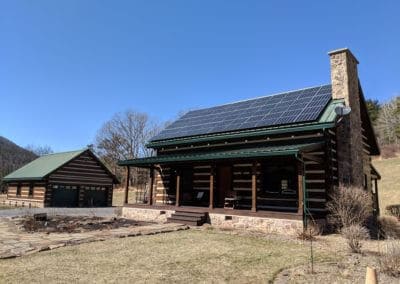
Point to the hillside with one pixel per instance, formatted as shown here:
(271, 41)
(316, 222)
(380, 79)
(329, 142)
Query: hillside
(389, 185)
(12, 156)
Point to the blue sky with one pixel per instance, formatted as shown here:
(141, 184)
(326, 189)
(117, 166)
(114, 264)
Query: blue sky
(67, 66)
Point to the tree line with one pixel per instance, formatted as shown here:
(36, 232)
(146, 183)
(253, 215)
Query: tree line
(385, 118)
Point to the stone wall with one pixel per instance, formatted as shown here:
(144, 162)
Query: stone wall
(146, 214)
(345, 85)
(266, 225)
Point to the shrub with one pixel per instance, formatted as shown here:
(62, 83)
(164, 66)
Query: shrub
(394, 210)
(390, 260)
(354, 234)
(350, 205)
(389, 227)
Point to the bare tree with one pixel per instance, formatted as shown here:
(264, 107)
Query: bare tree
(125, 137)
(388, 123)
(39, 150)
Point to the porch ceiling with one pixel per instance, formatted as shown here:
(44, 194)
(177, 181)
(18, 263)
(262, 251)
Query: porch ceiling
(285, 150)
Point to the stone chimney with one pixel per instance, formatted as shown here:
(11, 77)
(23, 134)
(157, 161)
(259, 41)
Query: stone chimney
(345, 85)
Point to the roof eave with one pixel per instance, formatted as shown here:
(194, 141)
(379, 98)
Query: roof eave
(6, 180)
(239, 134)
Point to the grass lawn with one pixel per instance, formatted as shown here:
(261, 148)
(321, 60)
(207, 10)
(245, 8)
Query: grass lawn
(389, 185)
(185, 256)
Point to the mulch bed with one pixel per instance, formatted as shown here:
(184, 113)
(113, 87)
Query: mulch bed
(78, 224)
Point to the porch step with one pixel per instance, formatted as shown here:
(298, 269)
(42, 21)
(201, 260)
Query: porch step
(188, 218)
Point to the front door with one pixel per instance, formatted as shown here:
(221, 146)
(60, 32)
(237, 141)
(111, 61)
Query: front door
(224, 184)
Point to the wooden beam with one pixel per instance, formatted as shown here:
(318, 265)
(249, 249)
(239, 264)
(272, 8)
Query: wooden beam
(290, 137)
(254, 188)
(151, 186)
(377, 198)
(127, 184)
(211, 188)
(300, 177)
(178, 186)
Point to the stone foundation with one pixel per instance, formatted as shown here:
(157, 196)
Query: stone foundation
(146, 214)
(223, 221)
(266, 225)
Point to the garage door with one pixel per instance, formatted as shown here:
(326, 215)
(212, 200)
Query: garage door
(95, 196)
(64, 196)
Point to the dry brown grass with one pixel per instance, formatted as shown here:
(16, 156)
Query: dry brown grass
(389, 186)
(185, 257)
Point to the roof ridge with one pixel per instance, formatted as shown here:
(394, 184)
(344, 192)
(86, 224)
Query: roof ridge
(65, 152)
(260, 97)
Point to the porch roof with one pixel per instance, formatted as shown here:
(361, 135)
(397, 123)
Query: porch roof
(283, 150)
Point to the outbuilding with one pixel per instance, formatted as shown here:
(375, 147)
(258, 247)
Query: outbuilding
(68, 179)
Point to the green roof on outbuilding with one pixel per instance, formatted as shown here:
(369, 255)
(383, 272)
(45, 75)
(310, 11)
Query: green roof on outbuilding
(42, 166)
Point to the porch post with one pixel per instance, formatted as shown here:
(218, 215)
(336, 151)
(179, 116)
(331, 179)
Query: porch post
(254, 188)
(127, 185)
(151, 186)
(178, 186)
(300, 187)
(211, 206)
(377, 197)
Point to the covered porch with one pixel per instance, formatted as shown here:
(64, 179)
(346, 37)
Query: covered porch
(263, 182)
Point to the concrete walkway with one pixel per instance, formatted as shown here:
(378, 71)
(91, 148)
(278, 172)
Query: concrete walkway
(14, 242)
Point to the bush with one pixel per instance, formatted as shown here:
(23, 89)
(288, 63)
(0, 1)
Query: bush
(354, 234)
(394, 210)
(350, 206)
(389, 227)
(390, 260)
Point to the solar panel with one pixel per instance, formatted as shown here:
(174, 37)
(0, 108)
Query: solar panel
(292, 107)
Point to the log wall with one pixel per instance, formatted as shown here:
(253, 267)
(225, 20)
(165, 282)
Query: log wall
(84, 170)
(36, 200)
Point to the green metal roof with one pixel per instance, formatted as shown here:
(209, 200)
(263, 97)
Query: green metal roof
(42, 166)
(327, 120)
(219, 155)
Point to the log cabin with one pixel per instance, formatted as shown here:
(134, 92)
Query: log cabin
(68, 179)
(269, 162)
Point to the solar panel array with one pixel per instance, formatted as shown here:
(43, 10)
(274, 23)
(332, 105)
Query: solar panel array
(304, 105)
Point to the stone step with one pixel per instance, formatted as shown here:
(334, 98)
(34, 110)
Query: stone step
(186, 222)
(188, 218)
(192, 214)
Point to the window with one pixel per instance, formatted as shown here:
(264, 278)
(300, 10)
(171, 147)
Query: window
(19, 190)
(284, 184)
(30, 190)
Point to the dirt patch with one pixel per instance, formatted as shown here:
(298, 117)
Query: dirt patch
(69, 224)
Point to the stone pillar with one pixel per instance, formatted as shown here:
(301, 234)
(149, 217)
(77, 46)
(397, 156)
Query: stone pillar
(345, 85)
